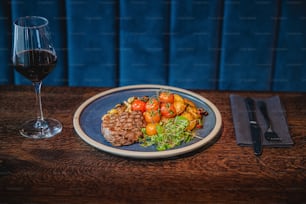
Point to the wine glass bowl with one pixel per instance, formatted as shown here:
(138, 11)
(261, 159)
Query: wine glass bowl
(34, 57)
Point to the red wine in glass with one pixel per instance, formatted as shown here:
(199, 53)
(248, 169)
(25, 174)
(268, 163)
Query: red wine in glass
(34, 57)
(35, 64)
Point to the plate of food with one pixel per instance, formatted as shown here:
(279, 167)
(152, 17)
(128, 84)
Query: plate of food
(148, 121)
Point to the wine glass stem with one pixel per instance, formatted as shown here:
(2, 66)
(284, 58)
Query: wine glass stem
(37, 86)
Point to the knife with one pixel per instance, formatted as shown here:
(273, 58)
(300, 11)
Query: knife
(255, 130)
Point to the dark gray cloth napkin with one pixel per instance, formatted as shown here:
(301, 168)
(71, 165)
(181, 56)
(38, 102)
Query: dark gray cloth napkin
(276, 114)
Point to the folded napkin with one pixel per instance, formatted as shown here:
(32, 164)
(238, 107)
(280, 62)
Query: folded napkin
(276, 114)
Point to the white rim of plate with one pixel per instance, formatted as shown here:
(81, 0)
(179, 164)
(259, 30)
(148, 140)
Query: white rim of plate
(147, 155)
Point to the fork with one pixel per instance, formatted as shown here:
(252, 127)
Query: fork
(269, 134)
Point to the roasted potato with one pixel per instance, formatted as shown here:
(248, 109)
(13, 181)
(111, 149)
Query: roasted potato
(191, 119)
(193, 111)
(179, 106)
(178, 98)
(189, 102)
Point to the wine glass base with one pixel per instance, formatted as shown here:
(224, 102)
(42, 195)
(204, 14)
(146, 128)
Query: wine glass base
(41, 129)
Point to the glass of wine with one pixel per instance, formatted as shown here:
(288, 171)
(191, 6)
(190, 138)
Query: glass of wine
(34, 57)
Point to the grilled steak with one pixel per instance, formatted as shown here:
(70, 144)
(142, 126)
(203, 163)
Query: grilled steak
(123, 128)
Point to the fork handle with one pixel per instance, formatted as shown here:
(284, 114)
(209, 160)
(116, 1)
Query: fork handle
(263, 108)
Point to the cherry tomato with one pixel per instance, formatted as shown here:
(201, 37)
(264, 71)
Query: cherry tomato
(166, 97)
(167, 110)
(151, 129)
(138, 105)
(152, 116)
(152, 104)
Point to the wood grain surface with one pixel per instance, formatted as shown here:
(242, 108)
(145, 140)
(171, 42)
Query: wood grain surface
(64, 169)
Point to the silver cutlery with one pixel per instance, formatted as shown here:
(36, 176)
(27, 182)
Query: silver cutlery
(269, 134)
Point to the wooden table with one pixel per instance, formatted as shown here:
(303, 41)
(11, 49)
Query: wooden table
(65, 169)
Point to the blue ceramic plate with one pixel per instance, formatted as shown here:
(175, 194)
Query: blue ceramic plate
(87, 121)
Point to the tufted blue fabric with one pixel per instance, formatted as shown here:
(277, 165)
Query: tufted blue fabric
(199, 44)
(290, 64)
(248, 38)
(143, 42)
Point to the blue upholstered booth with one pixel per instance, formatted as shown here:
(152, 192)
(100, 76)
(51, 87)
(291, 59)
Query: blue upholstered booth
(257, 45)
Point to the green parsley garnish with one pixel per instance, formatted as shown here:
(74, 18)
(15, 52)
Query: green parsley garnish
(169, 134)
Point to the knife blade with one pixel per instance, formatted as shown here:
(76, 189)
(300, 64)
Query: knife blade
(255, 129)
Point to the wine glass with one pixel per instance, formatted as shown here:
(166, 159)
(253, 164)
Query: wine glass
(34, 57)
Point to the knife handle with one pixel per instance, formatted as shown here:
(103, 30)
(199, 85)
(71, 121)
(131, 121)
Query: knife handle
(250, 104)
